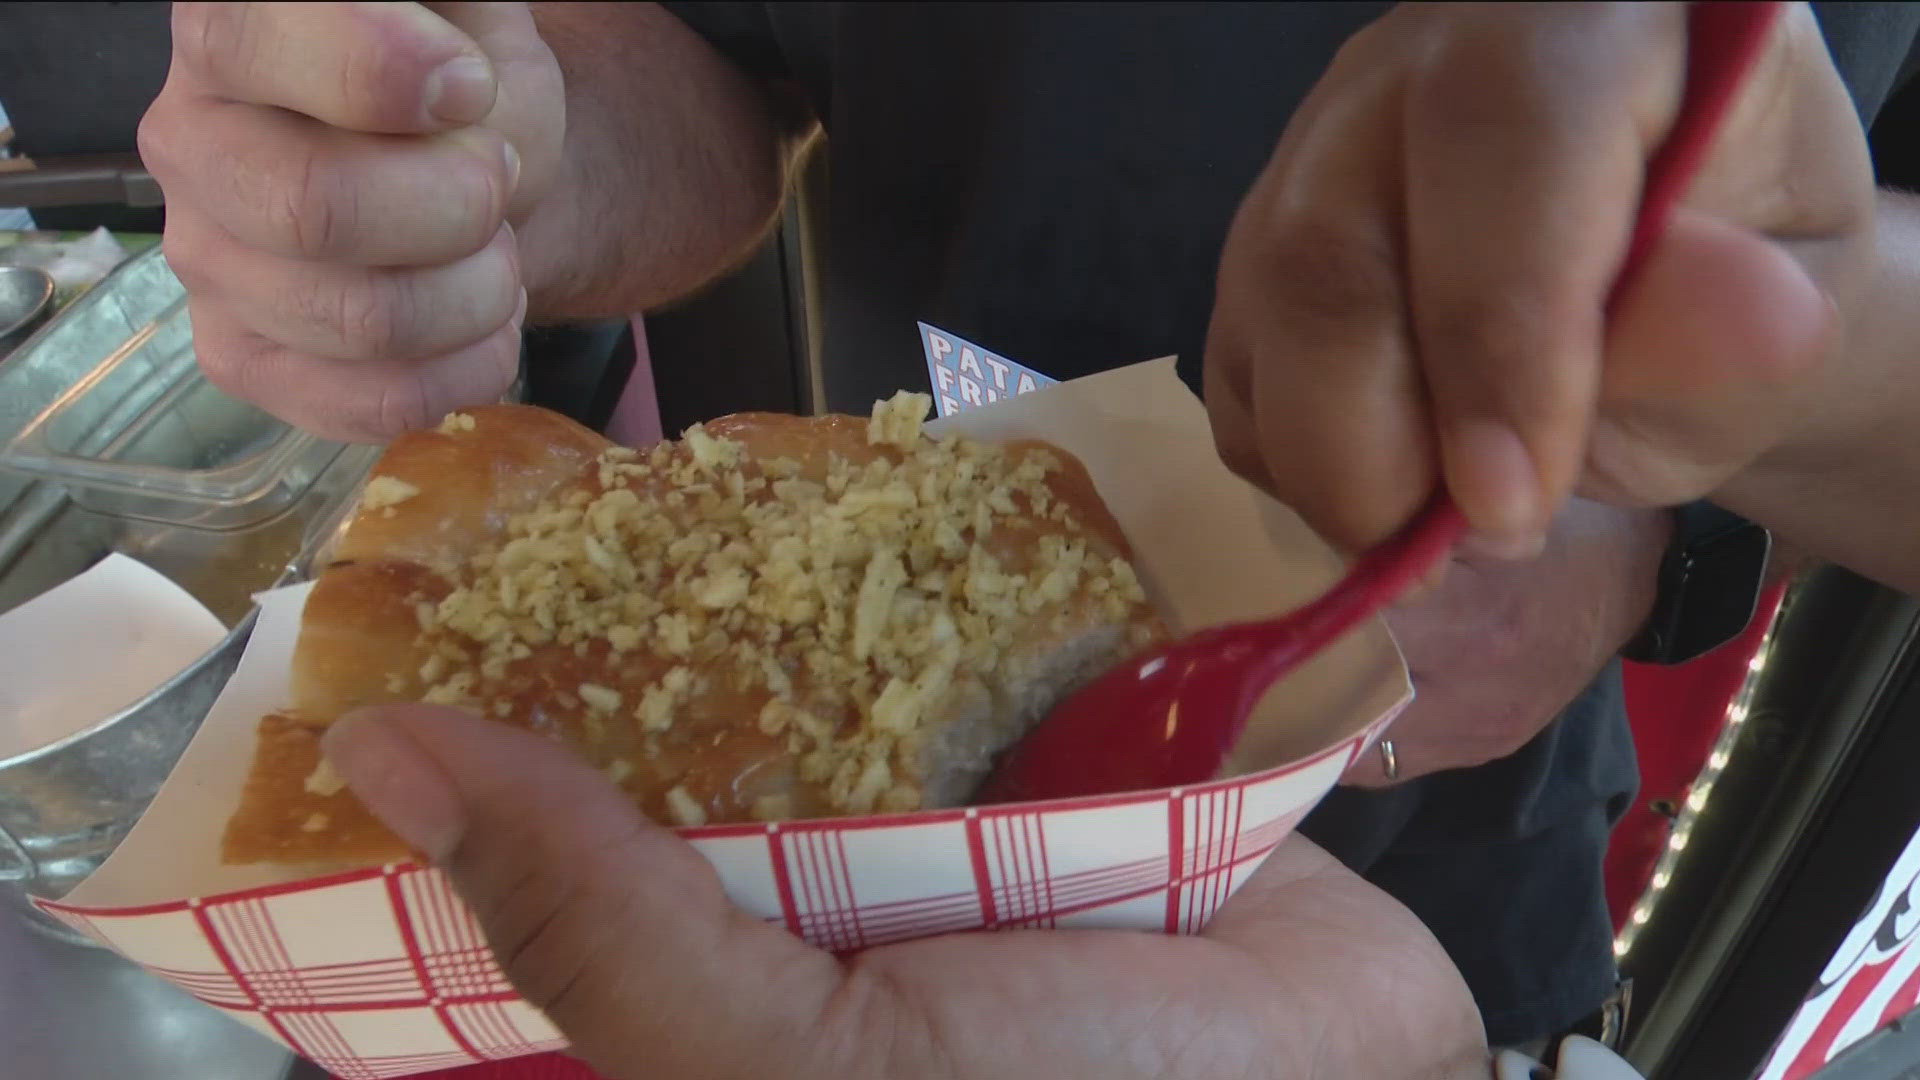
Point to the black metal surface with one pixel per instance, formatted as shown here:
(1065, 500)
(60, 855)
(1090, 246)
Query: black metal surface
(1868, 815)
(1815, 803)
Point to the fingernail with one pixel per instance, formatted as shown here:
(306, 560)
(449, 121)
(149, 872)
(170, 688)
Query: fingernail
(513, 167)
(403, 787)
(461, 91)
(1492, 477)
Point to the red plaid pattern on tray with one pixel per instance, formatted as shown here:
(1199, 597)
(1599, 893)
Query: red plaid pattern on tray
(541, 1067)
(384, 972)
(411, 988)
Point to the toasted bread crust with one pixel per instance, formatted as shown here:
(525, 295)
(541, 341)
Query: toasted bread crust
(729, 746)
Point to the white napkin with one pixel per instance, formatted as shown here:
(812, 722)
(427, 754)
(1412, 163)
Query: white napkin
(85, 649)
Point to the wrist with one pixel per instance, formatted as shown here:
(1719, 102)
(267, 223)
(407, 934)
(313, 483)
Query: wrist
(1652, 537)
(1862, 388)
(1625, 547)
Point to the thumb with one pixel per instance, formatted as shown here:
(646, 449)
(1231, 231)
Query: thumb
(614, 927)
(1709, 362)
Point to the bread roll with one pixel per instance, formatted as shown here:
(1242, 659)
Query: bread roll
(771, 618)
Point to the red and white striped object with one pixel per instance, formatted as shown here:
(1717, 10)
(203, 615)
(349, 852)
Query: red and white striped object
(383, 972)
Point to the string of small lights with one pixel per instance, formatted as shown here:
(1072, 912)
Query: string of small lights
(1698, 794)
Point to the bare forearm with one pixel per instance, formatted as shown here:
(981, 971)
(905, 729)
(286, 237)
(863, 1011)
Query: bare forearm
(1846, 485)
(673, 168)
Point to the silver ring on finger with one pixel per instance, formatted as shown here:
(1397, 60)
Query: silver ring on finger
(1389, 759)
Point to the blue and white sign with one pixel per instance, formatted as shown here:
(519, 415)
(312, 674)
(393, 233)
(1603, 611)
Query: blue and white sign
(965, 376)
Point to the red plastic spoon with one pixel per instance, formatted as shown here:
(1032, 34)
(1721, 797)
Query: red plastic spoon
(1172, 716)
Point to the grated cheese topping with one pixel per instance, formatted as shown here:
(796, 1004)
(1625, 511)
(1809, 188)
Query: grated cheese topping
(844, 603)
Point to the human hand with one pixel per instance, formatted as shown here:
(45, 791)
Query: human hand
(619, 931)
(1497, 649)
(340, 180)
(1413, 290)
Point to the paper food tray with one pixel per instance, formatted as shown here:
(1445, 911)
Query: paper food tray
(382, 972)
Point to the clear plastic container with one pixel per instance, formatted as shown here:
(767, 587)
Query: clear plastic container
(107, 401)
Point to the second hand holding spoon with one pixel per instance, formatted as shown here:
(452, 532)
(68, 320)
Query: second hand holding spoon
(1171, 717)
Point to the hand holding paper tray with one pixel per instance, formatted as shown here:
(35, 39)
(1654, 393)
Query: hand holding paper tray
(380, 972)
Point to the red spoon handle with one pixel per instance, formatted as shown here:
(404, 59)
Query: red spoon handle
(1724, 37)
